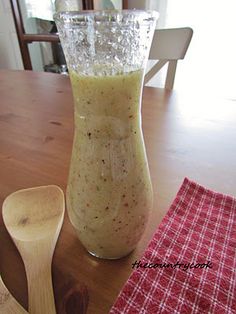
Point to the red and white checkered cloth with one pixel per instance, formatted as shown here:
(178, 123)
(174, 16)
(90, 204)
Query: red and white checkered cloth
(199, 231)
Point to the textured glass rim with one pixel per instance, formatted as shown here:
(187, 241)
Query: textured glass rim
(75, 16)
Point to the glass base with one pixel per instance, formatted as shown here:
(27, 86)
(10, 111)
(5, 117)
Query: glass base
(110, 258)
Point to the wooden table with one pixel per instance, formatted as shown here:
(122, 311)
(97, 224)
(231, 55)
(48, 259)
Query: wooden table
(185, 135)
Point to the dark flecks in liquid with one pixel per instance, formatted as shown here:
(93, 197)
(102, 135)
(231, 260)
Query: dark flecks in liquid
(89, 135)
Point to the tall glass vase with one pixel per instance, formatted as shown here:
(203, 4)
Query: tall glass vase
(109, 192)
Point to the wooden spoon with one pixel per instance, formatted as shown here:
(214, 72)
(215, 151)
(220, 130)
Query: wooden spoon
(8, 304)
(34, 217)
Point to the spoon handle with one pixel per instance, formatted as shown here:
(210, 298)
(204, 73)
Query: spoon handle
(40, 291)
(8, 304)
(39, 278)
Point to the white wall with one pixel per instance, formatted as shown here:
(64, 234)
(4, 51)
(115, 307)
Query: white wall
(10, 56)
(143, 4)
(158, 5)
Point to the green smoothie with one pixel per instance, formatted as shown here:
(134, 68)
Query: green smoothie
(109, 191)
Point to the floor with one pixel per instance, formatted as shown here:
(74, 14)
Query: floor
(210, 63)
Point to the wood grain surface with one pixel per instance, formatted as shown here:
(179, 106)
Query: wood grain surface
(185, 135)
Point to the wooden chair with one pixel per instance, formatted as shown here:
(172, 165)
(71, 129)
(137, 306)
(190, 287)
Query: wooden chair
(168, 46)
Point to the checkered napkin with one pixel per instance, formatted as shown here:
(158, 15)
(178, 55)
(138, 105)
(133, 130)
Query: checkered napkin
(190, 264)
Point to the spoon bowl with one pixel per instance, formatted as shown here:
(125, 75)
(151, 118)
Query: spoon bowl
(33, 214)
(33, 218)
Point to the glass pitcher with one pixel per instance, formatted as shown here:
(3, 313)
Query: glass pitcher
(109, 191)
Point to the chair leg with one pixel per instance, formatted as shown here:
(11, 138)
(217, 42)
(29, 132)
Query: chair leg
(153, 71)
(171, 74)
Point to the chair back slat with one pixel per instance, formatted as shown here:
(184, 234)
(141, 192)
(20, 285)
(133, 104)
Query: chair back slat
(168, 45)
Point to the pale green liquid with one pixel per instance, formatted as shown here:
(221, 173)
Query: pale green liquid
(109, 192)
